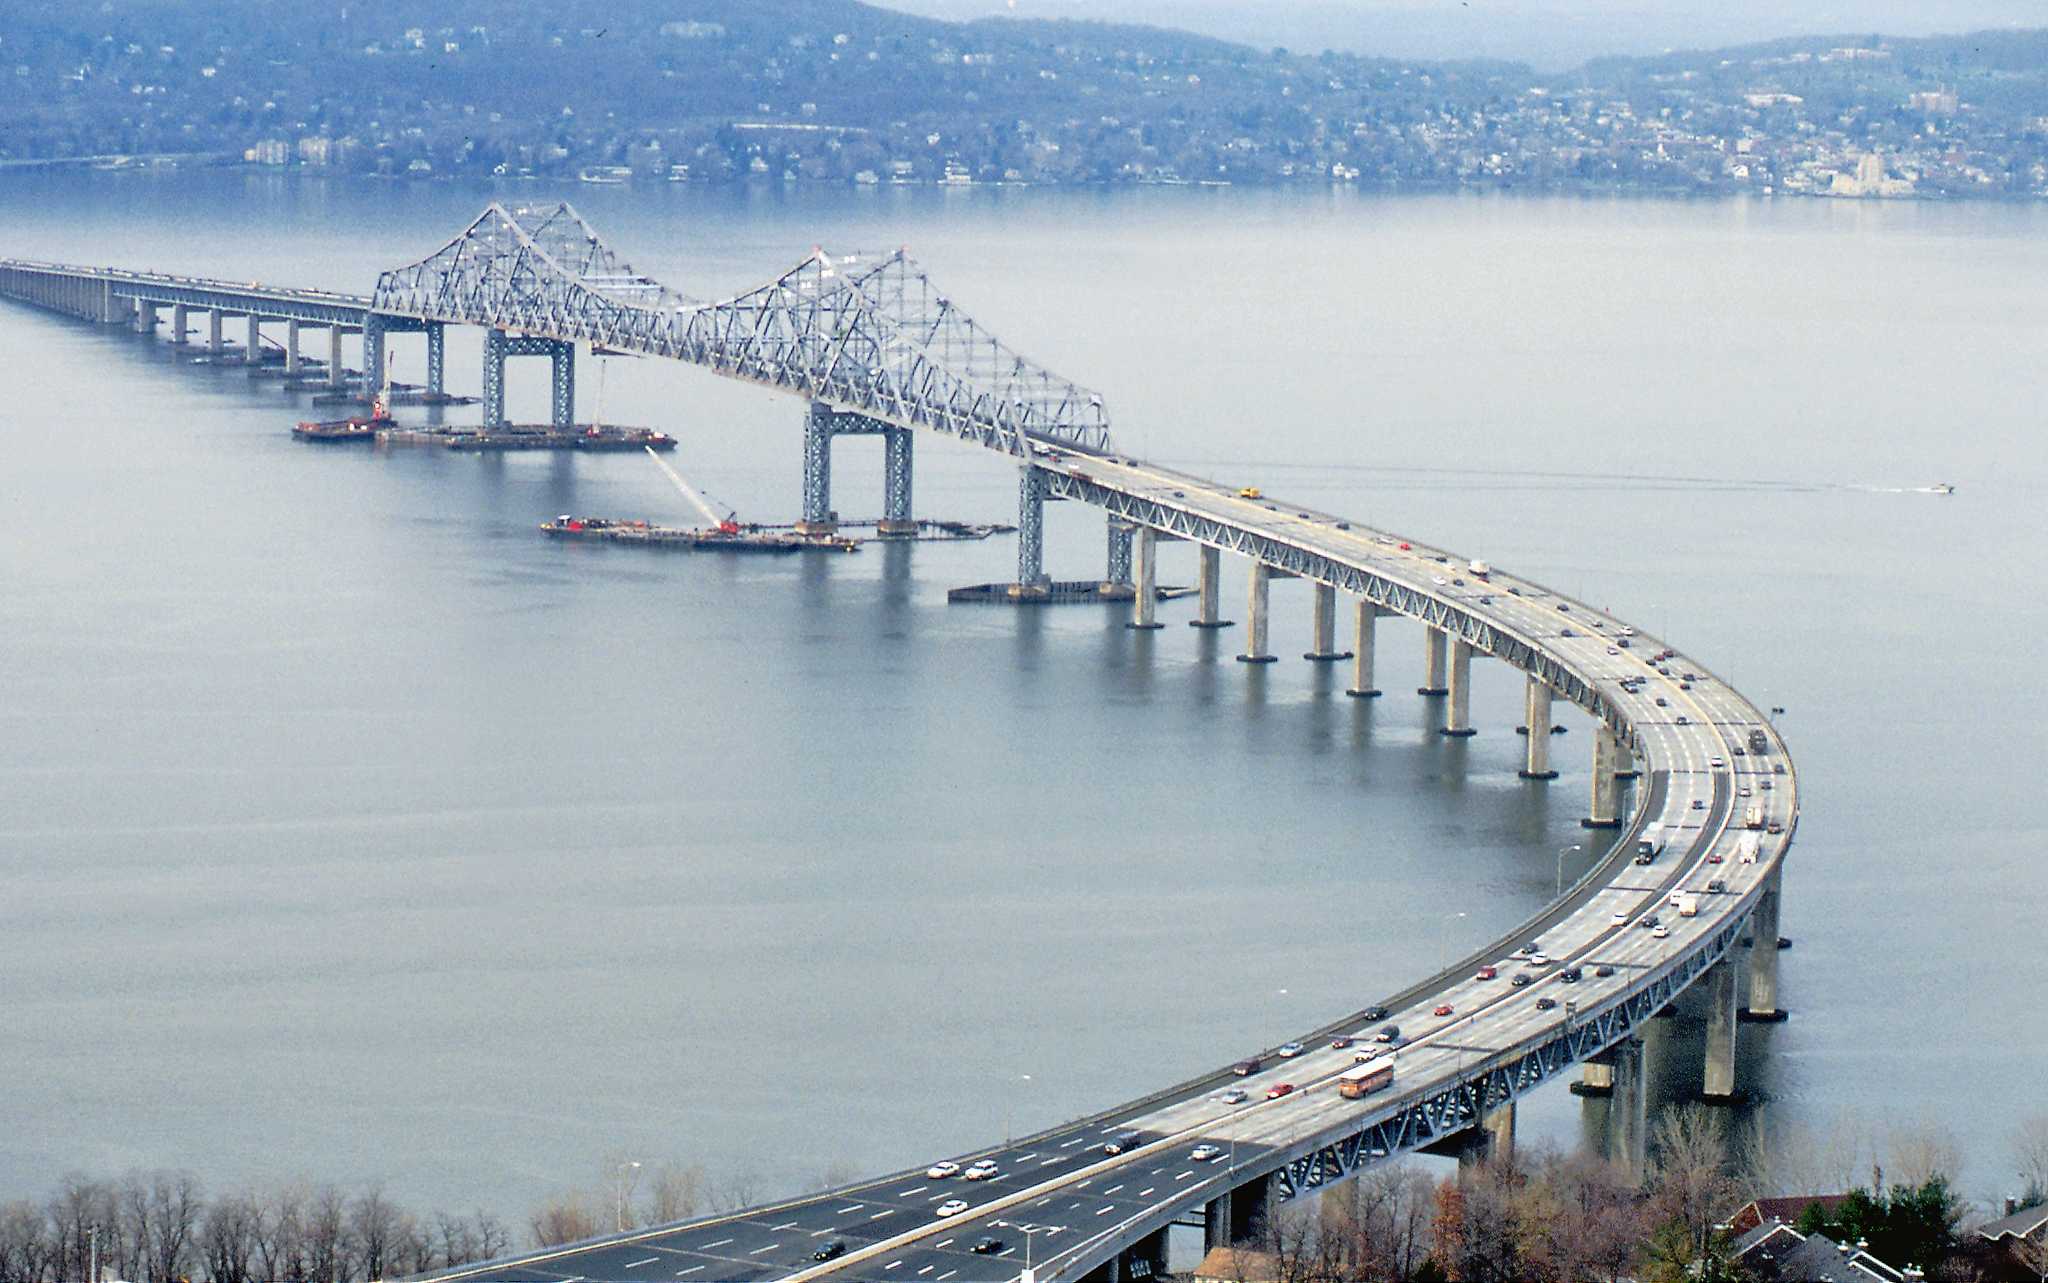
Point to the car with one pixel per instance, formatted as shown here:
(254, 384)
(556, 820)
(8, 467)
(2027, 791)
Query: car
(1387, 1033)
(1682, 720)
(1662, 702)
(1613, 650)
(1660, 933)
(1457, 582)
(1716, 763)
(1180, 494)
(1563, 607)
(1743, 791)
(1699, 804)
(1526, 949)
(1650, 921)
(1736, 750)
(1438, 580)
(1343, 525)
(1247, 1067)
(1622, 642)
(988, 1245)
(1545, 1003)
(952, 1207)
(1716, 886)
(1443, 1009)
(1404, 546)
(1122, 1141)
(1371, 1014)
(1233, 1096)
(1777, 768)
(1277, 1090)
(1568, 633)
(1522, 980)
(1205, 1153)
(1775, 826)
(940, 1171)
(1714, 858)
(1626, 631)
(1765, 785)
(1620, 917)
(1272, 508)
(1685, 686)
(1536, 960)
(983, 1170)
(1289, 1050)
(1302, 515)
(1487, 972)
(836, 1248)
(1603, 970)
(1340, 1042)
(1442, 558)
(1248, 492)
(1570, 975)
(1366, 1054)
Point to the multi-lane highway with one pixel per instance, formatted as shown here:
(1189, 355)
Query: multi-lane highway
(1061, 1199)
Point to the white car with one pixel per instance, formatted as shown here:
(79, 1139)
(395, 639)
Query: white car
(1536, 960)
(1620, 918)
(940, 1171)
(1290, 1050)
(953, 1207)
(1205, 1153)
(1660, 932)
(982, 1170)
(1232, 1096)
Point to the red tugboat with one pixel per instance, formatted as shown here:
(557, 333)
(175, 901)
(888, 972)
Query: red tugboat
(359, 428)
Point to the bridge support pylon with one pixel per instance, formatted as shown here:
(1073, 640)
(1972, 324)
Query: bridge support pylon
(337, 371)
(817, 517)
(291, 345)
(1458, 708)
(1720, 1067)
(215, 343)
(494, 375)
(896, 476)
(1493, 1140)
(1628, 1108)
(145, 317)
(1323, 632)
(1117, 564)
(1145, 592)
(1209, 578)
(1365, 626)
(252, 351)
(1255, 651)
(1763, 955)
(437, 356)
(1536, 725)
(1436, 644)
(1606, 792)
(180, 324)
(1031, 490)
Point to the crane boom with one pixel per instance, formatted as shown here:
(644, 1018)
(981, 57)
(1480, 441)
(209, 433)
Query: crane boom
(725, 523)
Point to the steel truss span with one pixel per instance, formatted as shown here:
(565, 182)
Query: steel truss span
(874, 346)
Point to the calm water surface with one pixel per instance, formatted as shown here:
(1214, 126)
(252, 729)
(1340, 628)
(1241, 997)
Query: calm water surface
(349, 828)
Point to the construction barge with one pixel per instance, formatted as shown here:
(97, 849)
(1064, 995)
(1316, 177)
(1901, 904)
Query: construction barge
(725, 537)
(384, 430)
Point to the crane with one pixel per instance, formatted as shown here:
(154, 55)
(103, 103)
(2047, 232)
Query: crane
(727, 525)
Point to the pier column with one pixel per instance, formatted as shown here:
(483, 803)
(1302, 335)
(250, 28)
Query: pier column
(1145, 594)
(252, 352)
(180, 316)
(1720, 1075)
(1117, 570)
(291, 346)
(1536, 723)
(1255, 641)
(1364, 628)
(1323, 632)
(1596, 1078)
(1031, 528)
(896, 470)
(1251, 1205)
(337, 372)
(1458, 709)
(214, 342)
(376, 369)
(1624, 762)
(817, 517)
(562, 384)
(1211, 571)
(1493, 1140)
(145, 317)
(494, 374)
(1216, 1224)
(437, 357)
(1606, 793)
(1628, 1112)
(1433, 681)
(1763, 954)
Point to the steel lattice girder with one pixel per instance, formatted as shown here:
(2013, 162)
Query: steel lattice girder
(1031, 491)
(879, 338)
(1119, 568)
(1390, 595)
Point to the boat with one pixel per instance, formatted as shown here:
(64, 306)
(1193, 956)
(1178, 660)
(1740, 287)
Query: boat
(725, 537)
(361, 428)
(1941, 487)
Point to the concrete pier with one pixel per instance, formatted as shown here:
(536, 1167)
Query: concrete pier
(1145, 593)
(337, 373)
(291, 346)
(1323, 632)
(1596, 1078)
(1628, 1110)
(1210, 574)
(145, 317)
(1720, 1068)
(1433, 680)
(1536, 723)
(1493, 1139)
(1763, 956)
(252, 352)
(180, 323)
(1365, 624)
(1458, 708)
(1255, 651)
(1606, 812)
(214, 342)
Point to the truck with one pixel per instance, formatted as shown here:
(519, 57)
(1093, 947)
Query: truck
(1689, 905)
(1753, 818)
(1651, 844)
(1479, 569)
(1751, 846)
(1365, 1079)
(1758, 741)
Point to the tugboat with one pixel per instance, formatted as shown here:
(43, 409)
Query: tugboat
(359, 428)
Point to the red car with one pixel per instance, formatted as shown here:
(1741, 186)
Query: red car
(1443, 1009)
(1340, 1042)
(1277, 1090)
(1488, 972)
(1406, 548)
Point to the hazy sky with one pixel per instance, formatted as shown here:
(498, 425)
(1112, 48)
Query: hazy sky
(1548, 33)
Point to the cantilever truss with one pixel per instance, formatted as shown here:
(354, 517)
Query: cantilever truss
(872, 336)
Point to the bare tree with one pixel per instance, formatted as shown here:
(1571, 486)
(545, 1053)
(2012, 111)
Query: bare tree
(281, 1236)
(228, 1238)
(493, 1240)
(837, 1172)
(324, 1236)
(175, 1207)
(564, 1218)
(2030, 1156)
(413, 1247)
(1917, 1153)
(740, 1188)
(28, 1244)
(1581, 1217)
(374, 1225)
(79, 1209)
(1690, 1183)
(675, 1193)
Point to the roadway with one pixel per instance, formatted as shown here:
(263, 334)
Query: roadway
(1060, 1197)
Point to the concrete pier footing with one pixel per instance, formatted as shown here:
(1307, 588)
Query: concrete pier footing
(1145, 594)
(1606, 812)
(1210, 573)
(1255, 651)
(1458, 707)
(1323, 628)
(1536, 712)
(1365, 626)
(1435, 655)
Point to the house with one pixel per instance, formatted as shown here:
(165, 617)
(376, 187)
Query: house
(1775, 1252)
(1763, 1211)
(2029, 1223)
(2011, 1249)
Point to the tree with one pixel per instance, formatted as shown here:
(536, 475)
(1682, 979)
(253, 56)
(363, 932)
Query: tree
(228, 1237)
(324, 1236)
(675, 1193)
(280, 1236)
(28, 1243)
(1689, 1179)
(80, 1209)
(175, 1207)
(373, 1234)
(1581, 1217)
(2030, 1156)
(564, 1218)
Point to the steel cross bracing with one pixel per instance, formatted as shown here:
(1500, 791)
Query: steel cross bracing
(871, 336)
(1389, 594)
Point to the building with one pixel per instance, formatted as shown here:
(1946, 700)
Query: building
(1763, 1211)
(1774, 1252)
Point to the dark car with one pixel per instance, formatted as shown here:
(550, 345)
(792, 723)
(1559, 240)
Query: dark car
(1603, 970)
(1570, 975)
(1374, 1013)
(1522, 979)
(1545, 1003)
(1387, 1034)
(832, 1250)
(988, 1246)
(1246, 1068)
(1122, 1141)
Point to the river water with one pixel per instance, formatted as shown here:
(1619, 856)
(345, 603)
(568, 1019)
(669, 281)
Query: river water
(349, 828)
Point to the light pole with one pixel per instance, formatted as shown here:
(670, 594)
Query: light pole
(1028, 1231)
(619, 1192)
(1445, 943)
(1560, 864)
(1009, 1107)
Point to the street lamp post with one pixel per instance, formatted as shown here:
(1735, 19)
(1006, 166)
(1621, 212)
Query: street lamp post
(1560, 865)
(619, 1195)
(1010, 1107)
(1445, 943)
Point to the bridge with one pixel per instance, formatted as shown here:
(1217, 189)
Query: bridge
(873, 346)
